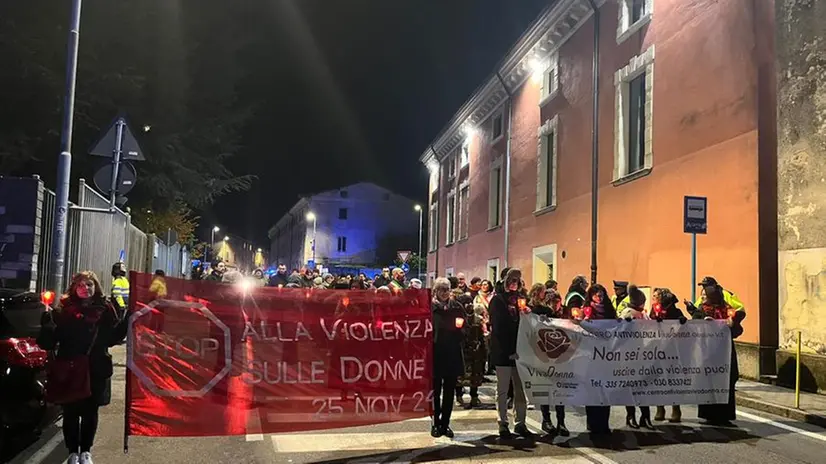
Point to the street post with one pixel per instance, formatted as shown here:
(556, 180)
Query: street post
(64, 163)
(695, 221)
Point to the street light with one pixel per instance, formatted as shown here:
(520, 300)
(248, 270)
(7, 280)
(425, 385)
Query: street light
(419, 209)
(311, 217)
(212, 242)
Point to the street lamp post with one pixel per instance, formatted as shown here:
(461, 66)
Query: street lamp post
(419, 209)
(64, 162)
(212, 243)
(311, 217)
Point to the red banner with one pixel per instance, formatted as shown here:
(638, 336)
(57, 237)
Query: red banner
(219, 359)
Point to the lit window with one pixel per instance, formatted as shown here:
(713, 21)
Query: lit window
(342, 213)
(546, 164)
(342, 244)
(464, 153)
(550, 80)
(633, 150)
(464, 210)
(633, 15)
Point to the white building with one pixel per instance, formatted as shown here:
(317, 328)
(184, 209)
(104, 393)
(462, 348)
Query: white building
(362, 225)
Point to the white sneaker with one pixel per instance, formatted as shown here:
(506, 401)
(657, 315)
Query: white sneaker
(74, 458)
(86, 458)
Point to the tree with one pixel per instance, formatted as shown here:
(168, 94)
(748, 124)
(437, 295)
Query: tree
(163, 66)
(176, 217)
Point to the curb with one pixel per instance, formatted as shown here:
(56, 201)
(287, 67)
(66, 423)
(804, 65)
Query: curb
(779, 410)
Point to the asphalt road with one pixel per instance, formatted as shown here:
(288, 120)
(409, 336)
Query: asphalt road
(757, 438)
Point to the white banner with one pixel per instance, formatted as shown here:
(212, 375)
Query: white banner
(641, 362)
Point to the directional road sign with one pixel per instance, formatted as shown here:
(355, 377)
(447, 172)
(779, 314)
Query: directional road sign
(131, 149)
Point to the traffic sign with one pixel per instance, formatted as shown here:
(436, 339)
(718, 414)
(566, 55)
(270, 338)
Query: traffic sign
(127, 176)
(403, 255)
(405, 267)
(129, 145)
(695, 215)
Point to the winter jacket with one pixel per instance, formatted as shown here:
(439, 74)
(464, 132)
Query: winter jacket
(504, 321)
(70, 329)
(448, 360)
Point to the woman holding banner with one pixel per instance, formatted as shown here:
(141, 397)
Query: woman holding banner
(715, 307)
(448, 364)
(597, 306)
(664, 307)
(538, 297)
(634, 308)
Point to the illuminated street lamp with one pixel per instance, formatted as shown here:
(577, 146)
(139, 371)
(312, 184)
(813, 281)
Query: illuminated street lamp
(419, 209)
(212, 242)
(311, 217)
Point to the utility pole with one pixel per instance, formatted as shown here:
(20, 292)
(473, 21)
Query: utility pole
(64, 164)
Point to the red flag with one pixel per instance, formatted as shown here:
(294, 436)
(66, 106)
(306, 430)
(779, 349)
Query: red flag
(220, 359)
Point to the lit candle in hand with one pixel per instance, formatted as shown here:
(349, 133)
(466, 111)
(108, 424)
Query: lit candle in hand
(460, 322)
(523, 304)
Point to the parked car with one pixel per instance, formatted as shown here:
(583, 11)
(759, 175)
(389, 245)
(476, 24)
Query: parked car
(23, 406)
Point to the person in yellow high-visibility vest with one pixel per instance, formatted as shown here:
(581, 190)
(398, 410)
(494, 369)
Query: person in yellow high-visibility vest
(120, 287)
(620, 298)
(729, 297)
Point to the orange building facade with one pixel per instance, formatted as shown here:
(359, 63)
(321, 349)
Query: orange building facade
(686, 106)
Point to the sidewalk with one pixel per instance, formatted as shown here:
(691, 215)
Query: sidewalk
(780, 401)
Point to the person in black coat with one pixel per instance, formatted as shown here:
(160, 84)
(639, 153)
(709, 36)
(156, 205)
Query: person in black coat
(715, 307)
(664, 307)
(596, 305)
(547, 302)
(448, 362)
(84, 322)
(504, 318)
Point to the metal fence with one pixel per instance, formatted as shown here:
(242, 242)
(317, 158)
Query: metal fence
(95, 241)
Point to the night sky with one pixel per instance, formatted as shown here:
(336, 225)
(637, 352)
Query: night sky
(307, 95)
(355, 90)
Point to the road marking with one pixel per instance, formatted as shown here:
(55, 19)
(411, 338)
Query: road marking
(589, 453)
(372, 441)
(47, 449)
(254, 423)
(780, 425)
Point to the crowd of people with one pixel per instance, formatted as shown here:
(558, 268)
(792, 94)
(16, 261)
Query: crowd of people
(475, 327)
(486, 343)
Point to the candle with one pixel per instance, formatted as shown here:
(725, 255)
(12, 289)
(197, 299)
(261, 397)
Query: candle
(576, 313)
(345, 301)
(731, 313)
(460, 322)
(523, 304)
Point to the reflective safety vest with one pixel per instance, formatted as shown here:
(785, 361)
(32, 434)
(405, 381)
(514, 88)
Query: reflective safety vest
(396, 285)
(120, 291)
(571, 295)
(622, 304)
(730, 299)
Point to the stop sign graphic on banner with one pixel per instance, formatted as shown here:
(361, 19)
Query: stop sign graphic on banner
(164, 334)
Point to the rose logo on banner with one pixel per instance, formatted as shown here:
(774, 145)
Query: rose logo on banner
(553, 344)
